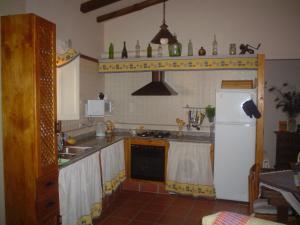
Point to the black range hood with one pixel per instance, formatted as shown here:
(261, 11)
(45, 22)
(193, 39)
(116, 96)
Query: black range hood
(157, 86)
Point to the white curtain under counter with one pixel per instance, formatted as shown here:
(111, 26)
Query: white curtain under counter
(189, 169)
(80, 191)
(113, 166)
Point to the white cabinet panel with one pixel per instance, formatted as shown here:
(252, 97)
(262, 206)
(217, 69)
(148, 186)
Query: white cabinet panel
(68, 91)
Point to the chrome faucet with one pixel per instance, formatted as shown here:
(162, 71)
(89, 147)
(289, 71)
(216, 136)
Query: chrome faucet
(61, 141)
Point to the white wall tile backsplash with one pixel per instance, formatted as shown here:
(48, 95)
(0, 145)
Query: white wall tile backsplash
(195, 88)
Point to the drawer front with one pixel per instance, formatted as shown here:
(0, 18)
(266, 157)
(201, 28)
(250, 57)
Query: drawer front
(47, 185)
(48, 207)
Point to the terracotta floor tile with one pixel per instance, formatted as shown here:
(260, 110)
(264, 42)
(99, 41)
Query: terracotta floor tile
(170, 220)
(147, 216)
(126, 213)
(156, 208)
(192, 221)
(114, 221)
(136, 208)
(134, 204)
(137, 222)
(177, 211)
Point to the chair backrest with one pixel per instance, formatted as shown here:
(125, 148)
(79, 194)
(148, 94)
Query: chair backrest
(253, 185)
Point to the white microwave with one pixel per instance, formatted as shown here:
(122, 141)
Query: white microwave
(98, 108)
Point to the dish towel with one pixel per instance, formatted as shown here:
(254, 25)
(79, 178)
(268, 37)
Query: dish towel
(80, 191)
(251, 109)
(112, 166)
(189, 169)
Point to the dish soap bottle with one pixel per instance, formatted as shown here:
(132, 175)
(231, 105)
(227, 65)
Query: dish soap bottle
(124, 51)
(111, 51)
(215, 46)
(137, 49)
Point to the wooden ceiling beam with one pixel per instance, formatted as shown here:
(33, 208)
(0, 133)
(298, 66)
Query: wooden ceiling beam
(95, 4)
(129, 9)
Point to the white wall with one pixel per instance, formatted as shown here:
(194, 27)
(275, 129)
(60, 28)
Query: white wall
(277, 73)
(86, 34)
(275, 24)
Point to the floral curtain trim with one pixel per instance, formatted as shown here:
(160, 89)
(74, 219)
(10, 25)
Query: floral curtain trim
(88, 219)
(112, 185)
(68, 56)
(195, 190)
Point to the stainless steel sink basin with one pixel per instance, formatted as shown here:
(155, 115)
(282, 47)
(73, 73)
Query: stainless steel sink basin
(75, 149)
(66, 155)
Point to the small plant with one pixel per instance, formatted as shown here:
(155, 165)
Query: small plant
(287, 100)
(210, 112)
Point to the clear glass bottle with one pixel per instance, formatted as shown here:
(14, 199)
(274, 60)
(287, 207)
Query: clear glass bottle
(137, 49)
(215, 46)
(159, 51)
(190, 48)
(149, 51)
(124, 51)
(111, 51)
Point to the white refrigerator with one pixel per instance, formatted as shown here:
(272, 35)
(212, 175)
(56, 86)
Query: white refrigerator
(235, 134)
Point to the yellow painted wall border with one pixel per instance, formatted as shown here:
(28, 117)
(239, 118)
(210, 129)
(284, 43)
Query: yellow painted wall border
(175, 64)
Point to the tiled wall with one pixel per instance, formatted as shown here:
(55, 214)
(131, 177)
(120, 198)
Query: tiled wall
(91, 82)
(160, 112)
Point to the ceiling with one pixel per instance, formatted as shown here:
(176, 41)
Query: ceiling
(115, 9)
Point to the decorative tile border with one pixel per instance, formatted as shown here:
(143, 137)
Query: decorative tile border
(65, 58)
(139, 65)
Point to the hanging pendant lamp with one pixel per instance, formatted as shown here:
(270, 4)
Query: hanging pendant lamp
(164, 36)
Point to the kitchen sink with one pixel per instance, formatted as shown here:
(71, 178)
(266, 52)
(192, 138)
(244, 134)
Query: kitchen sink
(66, 155)
(75, 149)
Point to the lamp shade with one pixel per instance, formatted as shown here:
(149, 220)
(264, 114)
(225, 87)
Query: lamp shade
(164, 36)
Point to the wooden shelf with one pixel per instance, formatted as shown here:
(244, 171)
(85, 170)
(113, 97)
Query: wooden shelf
(191, 63)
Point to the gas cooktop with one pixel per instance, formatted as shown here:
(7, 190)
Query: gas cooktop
(154, 134)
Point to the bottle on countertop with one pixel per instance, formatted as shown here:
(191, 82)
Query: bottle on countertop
(149, 51)
(111, 51)
(190, 48)
(215, 46)
(137, 49)
(124, 51)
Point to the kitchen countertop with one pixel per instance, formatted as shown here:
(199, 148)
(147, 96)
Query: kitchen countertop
(98, 143)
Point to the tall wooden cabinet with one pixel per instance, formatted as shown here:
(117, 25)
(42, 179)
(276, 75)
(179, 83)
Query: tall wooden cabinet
(29, 117)
(287, 149)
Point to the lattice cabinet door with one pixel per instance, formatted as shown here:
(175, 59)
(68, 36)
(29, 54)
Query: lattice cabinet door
(46, 95)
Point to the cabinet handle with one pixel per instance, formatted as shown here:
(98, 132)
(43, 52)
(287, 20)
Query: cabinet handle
(50, 204)
(49, 183)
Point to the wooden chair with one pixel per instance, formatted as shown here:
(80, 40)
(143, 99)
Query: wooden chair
(257, 204)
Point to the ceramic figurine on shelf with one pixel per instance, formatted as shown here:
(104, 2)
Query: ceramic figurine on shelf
(247, 48)
(180, 124)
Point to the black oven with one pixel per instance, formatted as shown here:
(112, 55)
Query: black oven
(148, 162)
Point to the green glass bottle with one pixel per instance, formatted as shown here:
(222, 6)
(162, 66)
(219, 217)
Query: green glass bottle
(149, 51)
(111, 51)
